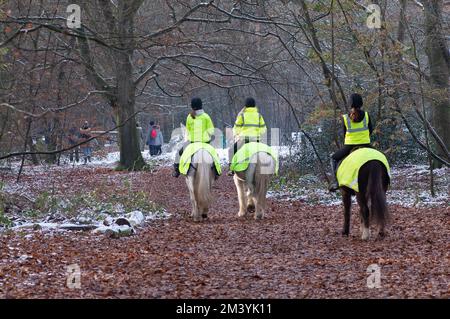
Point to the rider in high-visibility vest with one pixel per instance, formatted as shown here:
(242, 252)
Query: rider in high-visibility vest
(249, 127)
(357, 128)
(199, 127)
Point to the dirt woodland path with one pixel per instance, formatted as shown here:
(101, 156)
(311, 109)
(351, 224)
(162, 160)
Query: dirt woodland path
(295, 252)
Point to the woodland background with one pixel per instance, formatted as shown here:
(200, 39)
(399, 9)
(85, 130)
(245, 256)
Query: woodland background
(133, 61)
(299, 59)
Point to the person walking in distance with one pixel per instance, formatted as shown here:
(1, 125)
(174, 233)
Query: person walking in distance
(72, 139)
(86, 148)
(155, 139)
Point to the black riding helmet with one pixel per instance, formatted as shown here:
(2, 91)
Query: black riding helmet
(356, 103)
(250, 102)
(196, 104)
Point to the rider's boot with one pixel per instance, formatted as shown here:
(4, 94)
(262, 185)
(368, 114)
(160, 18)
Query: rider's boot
(176, 170)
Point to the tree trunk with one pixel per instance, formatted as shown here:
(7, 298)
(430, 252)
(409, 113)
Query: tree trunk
(130, 152)
(439, 61)
(52, 139)
(121, 95)
(34, 158)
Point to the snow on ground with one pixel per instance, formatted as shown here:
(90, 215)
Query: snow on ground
(73, 202)
(410, 187)
(112, 158)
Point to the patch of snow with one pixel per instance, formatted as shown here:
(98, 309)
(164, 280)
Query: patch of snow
(115, 228)
(43, 226)
(83, 220)
(408, 198)
(162, 214)
(135, 218)
(32, 225)
(24, 258)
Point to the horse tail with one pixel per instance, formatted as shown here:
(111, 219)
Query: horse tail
(265, 168)
(203, 177)
(376, 191)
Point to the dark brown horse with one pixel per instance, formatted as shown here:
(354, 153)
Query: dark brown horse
(373, 180)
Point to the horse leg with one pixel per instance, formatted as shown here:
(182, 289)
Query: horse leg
(381, 232)
(205, 209)
(202, 211)
(240, 187)
(381, 224)
(190, 183)
(347, 200)
(260, 207)
(364, 214)
(251, 202)
(205, 213)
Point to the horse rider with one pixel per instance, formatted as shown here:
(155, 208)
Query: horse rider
(249, 127)
(358, 129)
(199, 127)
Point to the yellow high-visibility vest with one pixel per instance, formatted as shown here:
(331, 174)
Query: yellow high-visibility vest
(357, 133)
(249, 123)
(199, 129)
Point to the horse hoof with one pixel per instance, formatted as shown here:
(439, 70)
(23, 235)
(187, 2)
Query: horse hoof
(381, 235)
(344, 233)
(204, 216)
(251, 208)
(365, 234)
(259, 217)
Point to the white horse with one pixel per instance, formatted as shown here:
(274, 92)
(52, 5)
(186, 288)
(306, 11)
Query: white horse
(252, 184)
(199, 180)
